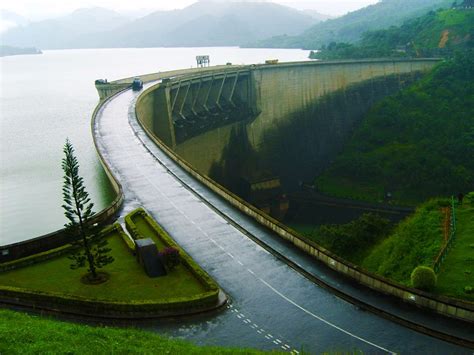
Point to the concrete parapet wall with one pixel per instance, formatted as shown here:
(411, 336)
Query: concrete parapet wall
(110, 89)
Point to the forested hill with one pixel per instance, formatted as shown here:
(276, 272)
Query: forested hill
(349, 28)
(416, 144)
(438, 33)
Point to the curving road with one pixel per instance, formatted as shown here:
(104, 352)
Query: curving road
(273, 306)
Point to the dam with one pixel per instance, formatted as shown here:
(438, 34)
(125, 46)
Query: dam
(283, 114)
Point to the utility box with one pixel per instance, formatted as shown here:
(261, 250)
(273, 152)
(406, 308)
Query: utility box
(149, 258)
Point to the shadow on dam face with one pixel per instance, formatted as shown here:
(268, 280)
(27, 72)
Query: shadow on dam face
(300, 147)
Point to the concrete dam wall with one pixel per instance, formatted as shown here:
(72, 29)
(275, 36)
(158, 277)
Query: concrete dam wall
(198, 114)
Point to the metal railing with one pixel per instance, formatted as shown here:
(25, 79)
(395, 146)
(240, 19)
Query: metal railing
(450, 240)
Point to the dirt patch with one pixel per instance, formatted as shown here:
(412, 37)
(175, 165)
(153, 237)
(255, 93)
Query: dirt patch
(444, 39)
(100, 279)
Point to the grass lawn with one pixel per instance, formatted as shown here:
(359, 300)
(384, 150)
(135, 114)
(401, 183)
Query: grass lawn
(147, 231)
(127, 282)
(457, 271)
(25, 334)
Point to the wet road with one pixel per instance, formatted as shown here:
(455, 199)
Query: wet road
(272, 305)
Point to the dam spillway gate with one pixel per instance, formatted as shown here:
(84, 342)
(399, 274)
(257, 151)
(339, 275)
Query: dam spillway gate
(205, 102)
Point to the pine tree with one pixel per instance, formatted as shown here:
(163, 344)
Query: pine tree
(77, 206)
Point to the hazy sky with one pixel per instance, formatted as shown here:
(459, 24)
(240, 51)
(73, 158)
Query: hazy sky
(35, 9)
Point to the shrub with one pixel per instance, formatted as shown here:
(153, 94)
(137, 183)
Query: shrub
(351, 239)
(468, 289)
(170, 258)
(423, 278)
(470, 198)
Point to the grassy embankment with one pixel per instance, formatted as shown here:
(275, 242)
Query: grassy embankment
(457, 271)
(416, 144)
(415, 241)
(26, 334)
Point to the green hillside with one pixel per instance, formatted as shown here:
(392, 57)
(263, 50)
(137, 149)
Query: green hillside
(350, 27)
(416, 144)
(415, 241)
(437, 33)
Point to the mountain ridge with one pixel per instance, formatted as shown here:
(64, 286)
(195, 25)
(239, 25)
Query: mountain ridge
(206, 23)
(350, 27)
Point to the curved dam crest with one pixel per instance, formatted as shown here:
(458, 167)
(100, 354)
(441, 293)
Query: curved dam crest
(196, 114)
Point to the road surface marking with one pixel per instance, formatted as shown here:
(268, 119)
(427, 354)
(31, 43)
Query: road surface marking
(323, 320)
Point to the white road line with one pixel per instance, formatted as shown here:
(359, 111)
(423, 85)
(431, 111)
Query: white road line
(240, 263)
(251, 271)
(230, 255)
(323, 320)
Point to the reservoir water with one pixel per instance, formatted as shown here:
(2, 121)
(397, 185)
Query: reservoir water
(46, 98)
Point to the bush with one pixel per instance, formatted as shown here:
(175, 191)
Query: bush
(423, 278)
(170, 257)
(351, 240)
(470, 198)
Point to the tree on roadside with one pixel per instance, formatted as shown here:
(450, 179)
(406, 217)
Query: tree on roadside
(92, 249)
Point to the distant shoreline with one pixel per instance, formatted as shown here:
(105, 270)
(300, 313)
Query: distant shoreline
(6, 51)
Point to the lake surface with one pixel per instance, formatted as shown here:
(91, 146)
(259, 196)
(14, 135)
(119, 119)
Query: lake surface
(46, 98)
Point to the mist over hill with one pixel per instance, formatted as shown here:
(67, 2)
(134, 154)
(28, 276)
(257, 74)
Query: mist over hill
(60, 32)
(349, 28)
(206, 23)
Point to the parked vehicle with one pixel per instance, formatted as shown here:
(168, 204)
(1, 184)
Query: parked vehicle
(137, 84)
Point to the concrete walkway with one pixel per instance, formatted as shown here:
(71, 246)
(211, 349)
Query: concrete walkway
(272, 305)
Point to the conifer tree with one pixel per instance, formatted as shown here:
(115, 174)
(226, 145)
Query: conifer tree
(92, 249)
